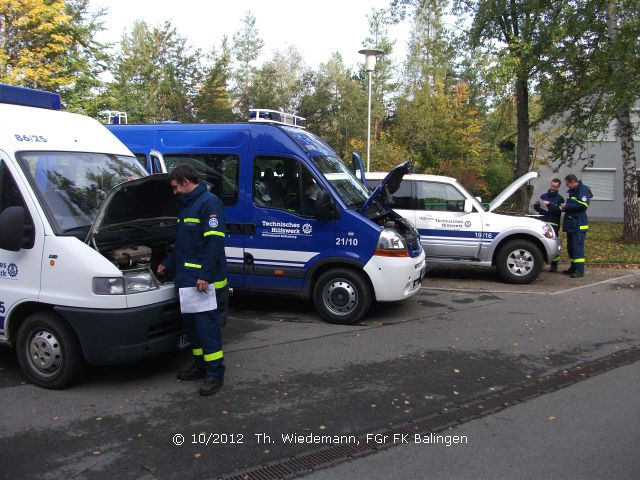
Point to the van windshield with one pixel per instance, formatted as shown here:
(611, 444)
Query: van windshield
(72, 185)
(345, 183)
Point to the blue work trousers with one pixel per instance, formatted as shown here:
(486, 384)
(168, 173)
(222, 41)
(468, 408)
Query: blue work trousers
(203, 330)
(575, 247)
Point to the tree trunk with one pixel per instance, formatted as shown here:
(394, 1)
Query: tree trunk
(631, 228)
(523, 159)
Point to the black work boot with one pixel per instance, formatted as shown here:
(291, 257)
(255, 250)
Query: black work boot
(211, 385)
(569, 270)
(577, 274)
(554, 267)
(194, 372)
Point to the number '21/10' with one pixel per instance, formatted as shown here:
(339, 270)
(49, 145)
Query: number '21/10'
(347, 241)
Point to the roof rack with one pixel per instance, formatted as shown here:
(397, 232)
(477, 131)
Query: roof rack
(114, 117)
(29, 97)
(272, 116)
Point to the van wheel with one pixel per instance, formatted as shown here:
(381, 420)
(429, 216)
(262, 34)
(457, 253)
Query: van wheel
(48, 351)
(342, 296)
(519, 261)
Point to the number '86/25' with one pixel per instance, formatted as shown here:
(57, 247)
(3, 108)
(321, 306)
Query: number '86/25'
(30, 138)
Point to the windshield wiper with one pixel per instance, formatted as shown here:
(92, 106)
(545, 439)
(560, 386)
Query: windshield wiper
(116, 227)
(80, 229)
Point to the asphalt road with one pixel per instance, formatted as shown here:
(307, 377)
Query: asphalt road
(288, 372)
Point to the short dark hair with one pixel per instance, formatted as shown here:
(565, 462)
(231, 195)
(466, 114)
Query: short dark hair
(557, 180)
(571, 178)
(182, 172)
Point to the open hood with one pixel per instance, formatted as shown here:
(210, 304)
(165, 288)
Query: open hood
(510, 190)
(142, 200)
(389, 185)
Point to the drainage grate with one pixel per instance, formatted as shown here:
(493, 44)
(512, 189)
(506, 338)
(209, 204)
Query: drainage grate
(328, 456)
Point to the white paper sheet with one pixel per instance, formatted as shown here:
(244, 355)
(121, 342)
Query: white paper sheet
(193, 301)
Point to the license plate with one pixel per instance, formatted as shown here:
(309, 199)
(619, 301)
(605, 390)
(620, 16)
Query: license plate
(183, 342)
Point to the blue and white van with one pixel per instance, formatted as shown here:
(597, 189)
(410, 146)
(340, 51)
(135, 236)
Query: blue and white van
(298, 221)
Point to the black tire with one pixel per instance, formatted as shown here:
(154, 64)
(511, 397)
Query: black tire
(519, 261)
(342, 296)
(49, 352)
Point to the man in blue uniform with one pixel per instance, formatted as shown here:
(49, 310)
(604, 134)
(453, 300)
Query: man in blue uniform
(198, 260)
(548, 205)
(576, 223)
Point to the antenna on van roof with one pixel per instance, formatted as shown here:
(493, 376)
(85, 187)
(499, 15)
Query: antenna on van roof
(272, 116)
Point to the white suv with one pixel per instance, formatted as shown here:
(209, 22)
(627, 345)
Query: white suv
(454, 227)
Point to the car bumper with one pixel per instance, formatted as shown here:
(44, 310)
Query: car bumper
(125, 335)
(395, 278)
(553, 247)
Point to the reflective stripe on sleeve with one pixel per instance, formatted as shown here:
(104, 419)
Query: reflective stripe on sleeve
(192, 265)
(191, 220)
(579, 201)
(213, 232)
(220, 284)
(584, 227)
(197, 352)
(211, 357)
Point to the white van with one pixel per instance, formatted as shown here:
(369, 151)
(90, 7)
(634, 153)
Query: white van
(76, 284)
(455, 228)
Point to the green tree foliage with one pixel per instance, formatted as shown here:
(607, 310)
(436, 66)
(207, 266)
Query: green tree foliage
(214, 103)
(429, 56)
(448, 139)
(336, 106)
(50, 45)
(279, 84)
(593, 77)
(518, 35)
(246, 49)
(155, 75)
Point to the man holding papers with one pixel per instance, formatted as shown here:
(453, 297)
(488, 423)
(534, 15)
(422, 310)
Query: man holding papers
(549, 207)
(199, 263)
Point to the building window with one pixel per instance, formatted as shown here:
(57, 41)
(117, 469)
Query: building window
(601, 181)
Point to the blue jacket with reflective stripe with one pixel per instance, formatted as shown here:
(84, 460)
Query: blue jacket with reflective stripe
(199, 251)
(575, 210)
(551, 213)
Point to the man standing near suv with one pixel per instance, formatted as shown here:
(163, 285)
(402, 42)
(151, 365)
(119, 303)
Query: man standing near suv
(549, 207)
(576, 223)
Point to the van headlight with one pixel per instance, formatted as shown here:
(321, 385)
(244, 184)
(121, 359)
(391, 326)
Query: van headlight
(547, 231)
(132, 281)
(108, 285)
(391, 244)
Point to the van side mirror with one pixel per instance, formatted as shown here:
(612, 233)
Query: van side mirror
(468, 206)
(11, 228)
(325, 207)
(357, 165)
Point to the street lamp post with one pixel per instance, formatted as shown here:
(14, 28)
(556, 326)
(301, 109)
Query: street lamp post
(370, 64)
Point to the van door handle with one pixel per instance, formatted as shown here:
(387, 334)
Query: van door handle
(249, 228)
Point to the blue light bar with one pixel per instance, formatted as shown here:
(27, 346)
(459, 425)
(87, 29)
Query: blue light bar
(29, 97)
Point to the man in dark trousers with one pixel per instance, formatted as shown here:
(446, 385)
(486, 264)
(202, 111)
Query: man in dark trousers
(548, 205)
(576, 223)
(198, 260)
